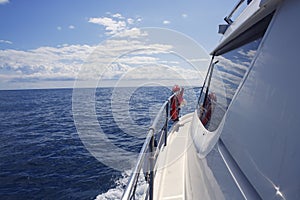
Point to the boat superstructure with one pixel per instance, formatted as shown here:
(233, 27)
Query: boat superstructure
(242, 141)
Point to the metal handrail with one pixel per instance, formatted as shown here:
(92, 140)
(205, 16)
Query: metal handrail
(148, 145)
(228, 17)
(135, 175)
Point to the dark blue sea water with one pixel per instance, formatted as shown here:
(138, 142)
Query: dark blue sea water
(41, 153)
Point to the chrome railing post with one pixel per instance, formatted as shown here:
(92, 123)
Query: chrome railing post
(151, 178)
(166, 123)
(149, 149)
(228, 17)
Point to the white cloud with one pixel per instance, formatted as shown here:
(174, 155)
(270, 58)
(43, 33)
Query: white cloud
(65, 61)
(249, 54)
(4, 1)
(118, 15)
(115, 71)
(5, 41)
(130, 21)
(92, 62)
(160, 72)
(116, 57)
(118, 24)
(132, 33)
(71, 27)
(184, 15)
(166, 22)
(111, 26)
(45, 62)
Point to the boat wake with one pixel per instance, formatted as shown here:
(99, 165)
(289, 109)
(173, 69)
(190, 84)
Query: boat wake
(118, 190)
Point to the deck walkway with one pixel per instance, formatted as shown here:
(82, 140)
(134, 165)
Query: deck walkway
(170, 174)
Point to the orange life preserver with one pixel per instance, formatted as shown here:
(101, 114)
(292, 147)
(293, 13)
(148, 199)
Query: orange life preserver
(208, 108)
(174, 112)
(176, 101)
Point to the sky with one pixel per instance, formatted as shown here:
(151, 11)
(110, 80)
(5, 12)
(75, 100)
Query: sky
(54, 44)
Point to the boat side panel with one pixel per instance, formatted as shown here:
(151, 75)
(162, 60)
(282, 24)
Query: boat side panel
(262, 125)
(206, 176)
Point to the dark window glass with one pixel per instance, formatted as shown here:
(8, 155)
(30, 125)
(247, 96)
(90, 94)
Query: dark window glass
(225, 76)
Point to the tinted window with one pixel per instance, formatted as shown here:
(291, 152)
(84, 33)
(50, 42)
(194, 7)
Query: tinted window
(226, 74)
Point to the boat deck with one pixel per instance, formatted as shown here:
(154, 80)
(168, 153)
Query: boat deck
(170, 175)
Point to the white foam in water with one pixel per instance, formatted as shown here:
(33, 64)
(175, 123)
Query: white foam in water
(117, 192)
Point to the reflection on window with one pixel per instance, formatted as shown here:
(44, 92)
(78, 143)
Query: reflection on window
(225, 76)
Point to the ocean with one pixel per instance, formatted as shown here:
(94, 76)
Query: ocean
(42, 155)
